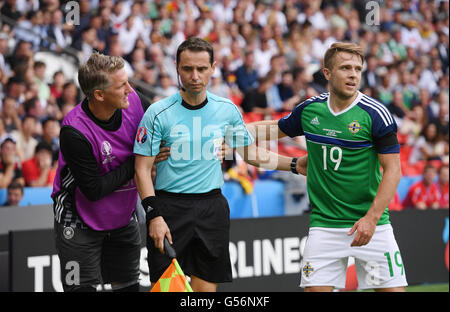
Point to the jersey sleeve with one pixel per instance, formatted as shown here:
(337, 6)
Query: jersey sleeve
(149, 134)
(236, 134)
(291, 124)
(384, 133)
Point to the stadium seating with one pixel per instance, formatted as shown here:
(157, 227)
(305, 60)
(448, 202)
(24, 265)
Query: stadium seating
(405, 183)
(266, 200)
(31, 196)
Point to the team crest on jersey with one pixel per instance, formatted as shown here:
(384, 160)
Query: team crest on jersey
(354, 127)
(141, 135)
(307, 269)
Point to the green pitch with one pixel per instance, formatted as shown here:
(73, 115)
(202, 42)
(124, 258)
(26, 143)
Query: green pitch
(425, 288)
(428, 288)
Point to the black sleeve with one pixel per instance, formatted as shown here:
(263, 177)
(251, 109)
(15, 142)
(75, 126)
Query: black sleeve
(77, 152)
(387, 143)
(144, 100)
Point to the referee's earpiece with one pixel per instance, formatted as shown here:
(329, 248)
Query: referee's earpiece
(179, 82)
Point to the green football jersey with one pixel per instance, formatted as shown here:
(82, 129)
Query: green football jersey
(343, 170)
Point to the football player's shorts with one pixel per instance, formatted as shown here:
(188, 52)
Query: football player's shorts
(325, 259)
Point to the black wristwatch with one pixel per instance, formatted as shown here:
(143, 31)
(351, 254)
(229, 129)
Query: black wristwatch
(294, 165)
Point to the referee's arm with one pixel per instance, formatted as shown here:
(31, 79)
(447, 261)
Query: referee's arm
(157, 228)
(143, 168)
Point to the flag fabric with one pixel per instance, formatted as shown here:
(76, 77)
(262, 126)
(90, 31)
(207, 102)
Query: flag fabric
(172, 280)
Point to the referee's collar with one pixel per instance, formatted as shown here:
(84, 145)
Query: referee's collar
(192, 107)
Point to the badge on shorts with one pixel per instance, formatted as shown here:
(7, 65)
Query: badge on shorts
(68, 232)
(307, 269)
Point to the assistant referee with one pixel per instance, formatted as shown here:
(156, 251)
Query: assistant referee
(188, 207)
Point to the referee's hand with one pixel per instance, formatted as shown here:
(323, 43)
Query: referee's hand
(157, 230)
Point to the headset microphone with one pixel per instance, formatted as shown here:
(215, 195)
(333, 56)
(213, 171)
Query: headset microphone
(179, 83)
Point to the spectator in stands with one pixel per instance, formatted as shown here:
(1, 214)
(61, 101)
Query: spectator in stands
(31, 28)
(263, 53)
(34, 108)
(385, 90)
(38, 170)
(88, 43)
(167, 87)
(443, 186)
(14, 194)
(9, 9)
(56, 88)
(246, 75)
(56, 31)
(302, 83)
(285, 87)
(370, 78)
(69, 95)
(218, 87)
(428, 146)
(3, 133)
(413, 124)
(256, 100)
(10, 170)
(442, 121)
(398, 107)
(39, 78)
(15, 88)
(5, 69)
(23, 53)
(423, 194)
(26, 143)
(9, 115)
(163, 63)
(50, 135)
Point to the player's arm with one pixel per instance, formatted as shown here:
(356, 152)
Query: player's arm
(260, 157)
(365, 227)
(77, 152)
(263, 158)
(158, 228)
(265, 130)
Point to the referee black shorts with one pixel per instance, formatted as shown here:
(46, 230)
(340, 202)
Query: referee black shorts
(200, 229)
(90, 258)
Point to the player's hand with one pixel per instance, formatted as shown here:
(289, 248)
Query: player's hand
(224, 150)
(302, 164)
(364, 228)
(164, 153)
(157, 230)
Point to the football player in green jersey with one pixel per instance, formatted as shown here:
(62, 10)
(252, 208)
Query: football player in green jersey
(349, 136)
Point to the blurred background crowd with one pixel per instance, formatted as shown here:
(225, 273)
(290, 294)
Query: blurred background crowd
(269, 55)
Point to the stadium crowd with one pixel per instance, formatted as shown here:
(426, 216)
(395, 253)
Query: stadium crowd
(268, 52)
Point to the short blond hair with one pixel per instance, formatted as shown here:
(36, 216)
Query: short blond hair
(95, 73)
(330, 54)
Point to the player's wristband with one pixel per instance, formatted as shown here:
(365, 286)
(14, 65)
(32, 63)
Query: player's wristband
(151, 207)
(294, 165)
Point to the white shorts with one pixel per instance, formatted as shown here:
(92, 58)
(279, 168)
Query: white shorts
(378, 264)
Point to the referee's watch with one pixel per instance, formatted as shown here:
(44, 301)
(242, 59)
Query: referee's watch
(294, 165)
